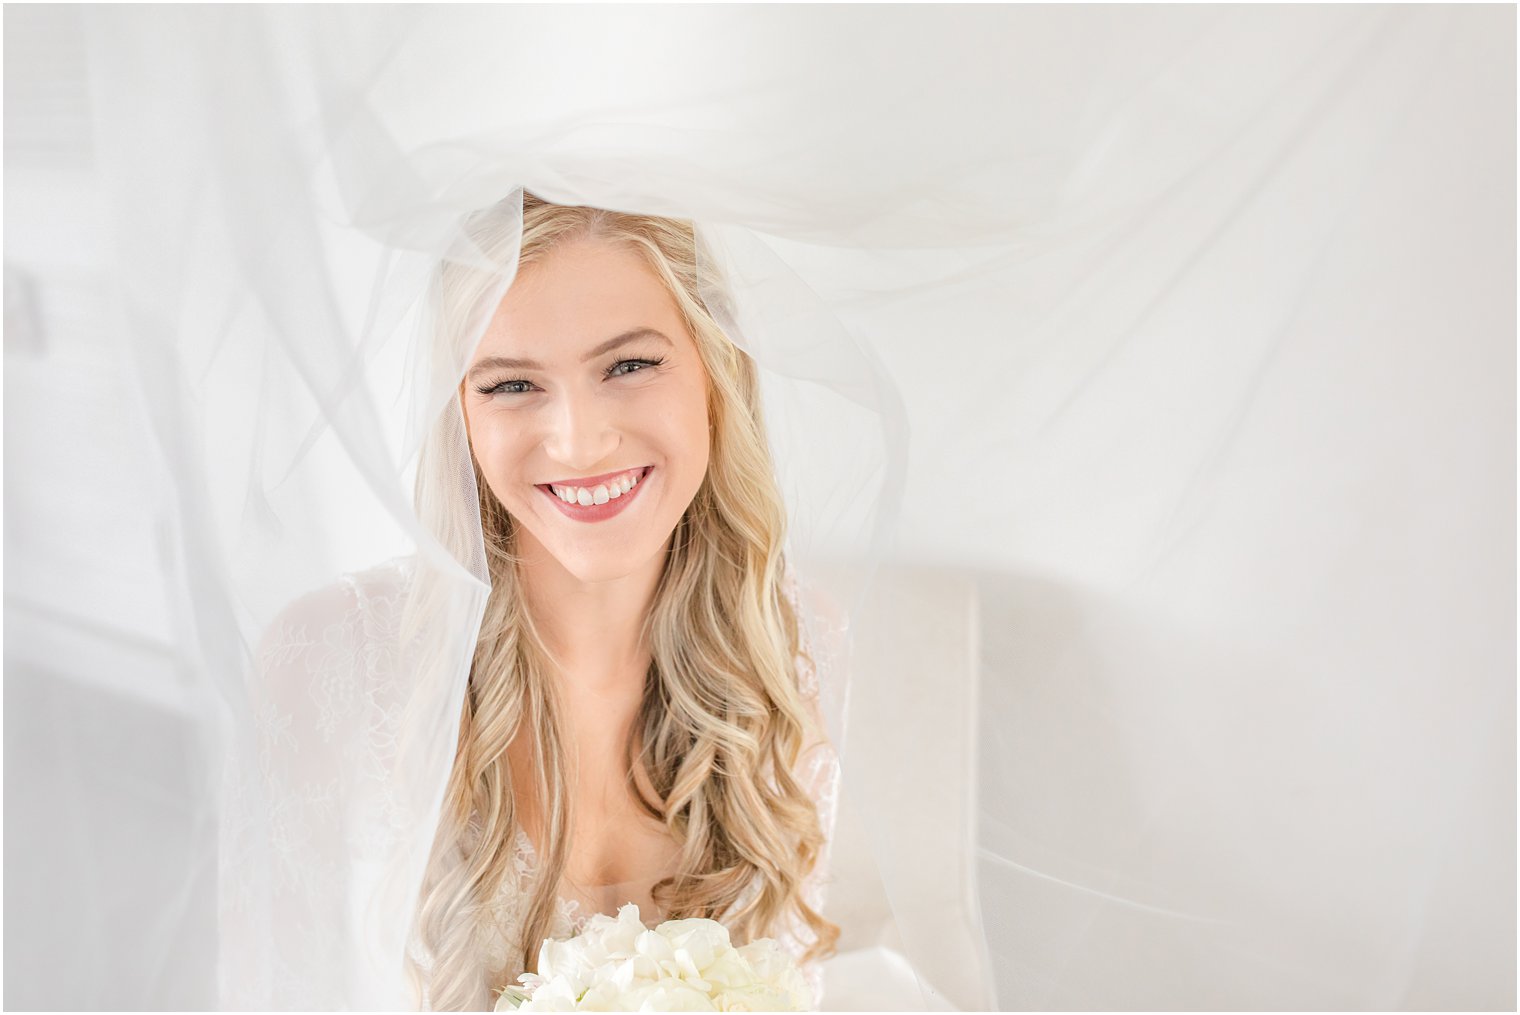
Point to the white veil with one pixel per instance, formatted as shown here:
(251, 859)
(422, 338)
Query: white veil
(1140, 382)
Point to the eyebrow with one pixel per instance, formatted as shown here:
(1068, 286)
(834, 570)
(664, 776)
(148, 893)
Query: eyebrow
(507, 363)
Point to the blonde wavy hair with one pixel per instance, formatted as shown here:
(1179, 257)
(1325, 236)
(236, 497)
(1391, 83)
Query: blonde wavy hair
(722, 722)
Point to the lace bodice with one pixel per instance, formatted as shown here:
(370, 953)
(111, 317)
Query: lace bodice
(327, 716)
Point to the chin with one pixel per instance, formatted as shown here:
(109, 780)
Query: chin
(602, 569)
(599, 560)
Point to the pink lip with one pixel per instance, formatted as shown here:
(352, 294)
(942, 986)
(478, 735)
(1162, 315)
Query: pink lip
(598, 512)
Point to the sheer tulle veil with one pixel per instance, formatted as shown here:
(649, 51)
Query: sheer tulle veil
(1138, 382)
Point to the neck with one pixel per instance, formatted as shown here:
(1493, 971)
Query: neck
(593, 629)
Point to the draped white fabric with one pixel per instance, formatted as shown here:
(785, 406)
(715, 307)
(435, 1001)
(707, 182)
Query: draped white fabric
(1141, 380)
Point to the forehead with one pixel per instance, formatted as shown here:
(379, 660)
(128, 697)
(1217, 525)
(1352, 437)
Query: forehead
(580, 294)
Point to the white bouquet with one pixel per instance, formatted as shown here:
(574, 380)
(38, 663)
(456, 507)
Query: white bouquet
(681, 965)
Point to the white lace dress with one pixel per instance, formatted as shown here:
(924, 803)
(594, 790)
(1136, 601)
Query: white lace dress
(331, 712)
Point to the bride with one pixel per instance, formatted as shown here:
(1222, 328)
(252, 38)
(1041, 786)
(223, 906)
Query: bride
(641, 722)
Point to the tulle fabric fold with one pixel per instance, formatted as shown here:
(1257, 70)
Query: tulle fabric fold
(1138, 382)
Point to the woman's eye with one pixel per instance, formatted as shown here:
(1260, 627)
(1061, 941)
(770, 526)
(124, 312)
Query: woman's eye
(522, 386)
(505, 388)
(638, 364)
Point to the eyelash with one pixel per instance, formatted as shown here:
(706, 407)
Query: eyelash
(495, 389)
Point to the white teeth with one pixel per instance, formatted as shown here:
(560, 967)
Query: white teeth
(599, 494)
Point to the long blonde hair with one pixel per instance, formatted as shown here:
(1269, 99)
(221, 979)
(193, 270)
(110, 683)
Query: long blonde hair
(722, 722)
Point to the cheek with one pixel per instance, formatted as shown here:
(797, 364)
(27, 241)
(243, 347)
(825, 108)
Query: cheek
(495, 454)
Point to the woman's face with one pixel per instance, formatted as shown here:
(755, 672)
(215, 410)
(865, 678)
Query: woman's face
(607, 389)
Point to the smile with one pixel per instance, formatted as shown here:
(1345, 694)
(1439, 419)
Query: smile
(610, 495)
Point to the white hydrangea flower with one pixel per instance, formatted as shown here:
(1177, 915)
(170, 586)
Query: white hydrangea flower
(681, 965)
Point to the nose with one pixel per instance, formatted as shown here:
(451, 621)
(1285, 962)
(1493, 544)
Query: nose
(581, 435)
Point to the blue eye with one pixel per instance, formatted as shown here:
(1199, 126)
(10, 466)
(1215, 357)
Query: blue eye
(613, 370)
(501, 387)
(507, 386)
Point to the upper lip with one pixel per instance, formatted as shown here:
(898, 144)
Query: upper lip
(591, 481)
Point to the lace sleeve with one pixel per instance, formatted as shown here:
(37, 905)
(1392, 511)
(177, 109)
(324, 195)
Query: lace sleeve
(818, 771)
(302, 813)
(281, 893)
